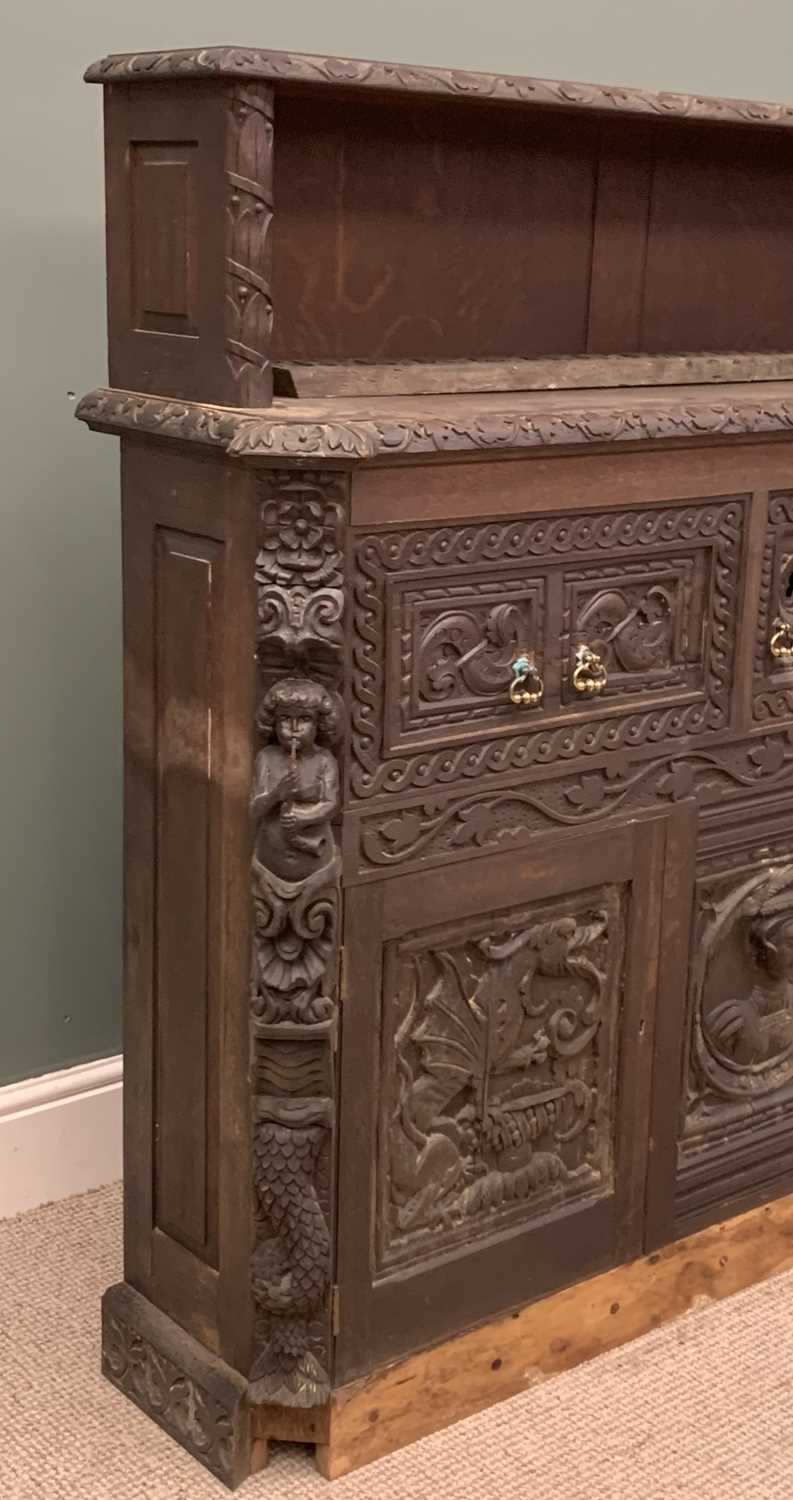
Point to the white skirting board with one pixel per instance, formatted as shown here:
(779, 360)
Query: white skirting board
(60, 1134)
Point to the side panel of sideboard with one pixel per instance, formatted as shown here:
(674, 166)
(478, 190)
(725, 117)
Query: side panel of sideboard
(189, 541)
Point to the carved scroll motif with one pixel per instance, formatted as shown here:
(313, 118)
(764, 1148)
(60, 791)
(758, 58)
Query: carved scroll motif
(501, 1080)
(295, 888)
(742, 995)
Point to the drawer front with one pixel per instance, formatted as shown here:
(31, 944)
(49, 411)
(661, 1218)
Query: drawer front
(773, 650)
(442, 614)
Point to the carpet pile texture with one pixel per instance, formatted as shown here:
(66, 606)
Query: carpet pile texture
(699, 1410)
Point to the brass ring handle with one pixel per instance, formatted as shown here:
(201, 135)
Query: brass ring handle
(589, 673)
(781, 642)
(524, 671)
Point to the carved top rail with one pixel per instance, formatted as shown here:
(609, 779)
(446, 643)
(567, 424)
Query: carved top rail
(390, 427)
(404, 78)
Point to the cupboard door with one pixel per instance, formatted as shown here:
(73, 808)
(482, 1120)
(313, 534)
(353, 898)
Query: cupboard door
(497, 1040)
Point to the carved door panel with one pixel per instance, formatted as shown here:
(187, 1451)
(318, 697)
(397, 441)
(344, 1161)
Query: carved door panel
(497, 1036)
(736, 1122)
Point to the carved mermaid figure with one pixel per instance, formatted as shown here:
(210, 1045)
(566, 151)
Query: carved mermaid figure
(295, 871)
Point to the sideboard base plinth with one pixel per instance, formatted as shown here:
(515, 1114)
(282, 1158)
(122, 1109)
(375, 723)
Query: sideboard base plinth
(430, 1390)
(183, 1387)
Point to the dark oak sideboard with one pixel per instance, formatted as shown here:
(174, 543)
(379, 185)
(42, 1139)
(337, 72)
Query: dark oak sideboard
(456, 419)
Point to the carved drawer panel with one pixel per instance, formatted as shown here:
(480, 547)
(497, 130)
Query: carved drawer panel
(773, 654)
(737, 1121)
(493, 1135)
(442, 615)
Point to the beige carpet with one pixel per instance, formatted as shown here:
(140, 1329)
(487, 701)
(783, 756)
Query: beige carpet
(700, 1410)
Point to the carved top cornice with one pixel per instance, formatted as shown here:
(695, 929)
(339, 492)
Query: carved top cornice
(397, 427)
(404, 78)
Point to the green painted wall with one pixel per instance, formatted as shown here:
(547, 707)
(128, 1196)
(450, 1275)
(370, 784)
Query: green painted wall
(60, 645)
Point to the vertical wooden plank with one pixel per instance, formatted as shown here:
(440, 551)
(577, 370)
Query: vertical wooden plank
(638, 1031)
(670, 1040)
(235, 1312)
(360, 1023)
(139, 855)
(619, 241)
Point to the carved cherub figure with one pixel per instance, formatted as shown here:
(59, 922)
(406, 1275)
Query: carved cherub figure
(296, 782)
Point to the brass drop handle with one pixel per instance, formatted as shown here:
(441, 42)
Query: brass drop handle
(527, 686)
(589, 672)
(781, 642)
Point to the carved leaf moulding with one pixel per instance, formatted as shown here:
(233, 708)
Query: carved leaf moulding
(255, 62)
(281, 434)
(448, 826)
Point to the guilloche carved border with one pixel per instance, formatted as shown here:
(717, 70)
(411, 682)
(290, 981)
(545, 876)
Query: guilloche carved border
(256, 62)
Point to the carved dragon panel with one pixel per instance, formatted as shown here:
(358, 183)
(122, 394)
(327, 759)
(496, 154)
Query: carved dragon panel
(498, 1072)
(296, 880)
(667, 623)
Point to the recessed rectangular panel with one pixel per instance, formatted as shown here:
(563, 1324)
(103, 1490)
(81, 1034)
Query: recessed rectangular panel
(164, 247)
(186, 992)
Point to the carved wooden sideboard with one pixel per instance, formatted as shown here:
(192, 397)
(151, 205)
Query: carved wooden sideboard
(459, 730)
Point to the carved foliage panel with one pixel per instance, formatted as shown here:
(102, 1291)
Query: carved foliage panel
(740, 1063)
(774, 674)
(457, 824)
(440, 614)
(498, 1071)
(295, 890)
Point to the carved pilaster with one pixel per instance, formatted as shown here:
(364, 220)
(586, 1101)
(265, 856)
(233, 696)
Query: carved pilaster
(249, 216)
(295, 890)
